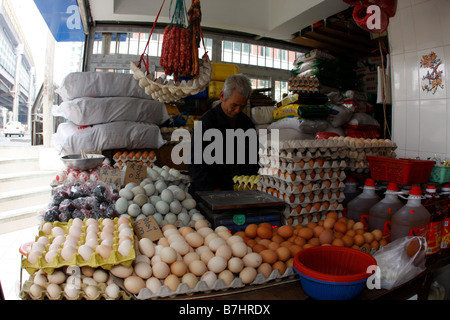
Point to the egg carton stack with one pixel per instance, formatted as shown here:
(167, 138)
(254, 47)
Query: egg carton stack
(163, 194)
(144, 157)
(308, 175)
(246, 182)
(303, 84)
(359, 148)
(88, 244)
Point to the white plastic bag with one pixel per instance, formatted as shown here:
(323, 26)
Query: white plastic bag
(100, 84)
(262, 115)
(87, 111)
(401, 260)
(70, 138)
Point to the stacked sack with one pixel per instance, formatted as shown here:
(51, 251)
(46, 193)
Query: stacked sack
(106, 111)
(308, 175)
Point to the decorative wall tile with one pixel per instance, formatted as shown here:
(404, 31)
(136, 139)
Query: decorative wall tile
(432, 74)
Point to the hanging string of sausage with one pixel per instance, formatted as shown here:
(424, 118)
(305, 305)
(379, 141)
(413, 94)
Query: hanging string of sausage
(179, 52)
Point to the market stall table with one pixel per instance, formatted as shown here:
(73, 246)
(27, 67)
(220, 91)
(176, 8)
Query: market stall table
(237, 209)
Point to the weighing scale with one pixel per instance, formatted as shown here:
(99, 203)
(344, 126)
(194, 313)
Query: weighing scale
(237, 209)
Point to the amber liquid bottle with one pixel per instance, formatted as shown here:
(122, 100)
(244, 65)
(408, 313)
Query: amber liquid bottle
(445, 241)
(433, 204)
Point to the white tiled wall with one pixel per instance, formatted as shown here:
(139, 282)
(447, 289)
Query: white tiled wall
(421, 120)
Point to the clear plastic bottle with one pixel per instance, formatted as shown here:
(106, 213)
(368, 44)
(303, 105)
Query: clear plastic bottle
(445, 241)
(380, 214)
(358, 208)
(412, 219)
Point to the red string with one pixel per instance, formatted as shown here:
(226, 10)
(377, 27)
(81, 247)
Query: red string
(147, 63)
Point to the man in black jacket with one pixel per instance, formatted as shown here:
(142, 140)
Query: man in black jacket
(214, 164)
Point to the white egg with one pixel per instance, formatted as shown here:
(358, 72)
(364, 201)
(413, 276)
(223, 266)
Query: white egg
(58, 231)
(153, 174)
(217, 264)
(130, 185)
(112, 291)
(162, 207)
(179, 194)
(68, 252)
(145, 182)
(166, 195)
(184, 218)
(36, 290)
(148, 209)
(50, 255)
(164, 174)
(175, 206)
(170, 217)
(85, 252)
(149, 189)
(174, 172)
(125, 247)
(126, 193)
(189, 203)
(181, 247)
(54, 291)
(153, 284)
(140, 216)
(89, 281)
(160, 185)
(134, 210)
(210, 278)
(158, 217)
(100, 275)
(92, 292)
(140, 199)
(154, 199)
(57, 277)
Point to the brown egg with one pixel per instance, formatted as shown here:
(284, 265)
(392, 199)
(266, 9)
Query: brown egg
(290, 263)
(348, 241)
(368, 237)
(359, 231)
(340, 226)
(294, 249)
(280, 266)
(313, 242)
(358, 225)
(286, 244)
(264, 232)
(350, 224)
(338, 242)
(351, 233)
(318, 230)
(375, 244)
(277, 238)
(311, 225)
(265, 269)
(251, 242)
(358, 240)
(264, 242)
(326, 237)
(285, 231)
(283, 253)
(299, 241)
(377, 234)
(269, 256)
(329, 223)
(383, 242)
(258, 248)
(306, 233)
(250, 230)
(273, 245)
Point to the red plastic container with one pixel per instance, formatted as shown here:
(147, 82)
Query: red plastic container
(401, 171)
(334, 264)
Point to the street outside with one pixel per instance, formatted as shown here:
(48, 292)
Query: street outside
(15, 140)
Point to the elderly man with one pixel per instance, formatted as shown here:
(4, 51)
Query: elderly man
(224, 116)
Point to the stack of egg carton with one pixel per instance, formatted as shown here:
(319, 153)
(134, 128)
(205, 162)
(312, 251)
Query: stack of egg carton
(144, 157)
(308, 175)
(359, 148)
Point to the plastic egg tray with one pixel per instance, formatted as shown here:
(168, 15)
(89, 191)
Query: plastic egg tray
(95, 260)
(26, 294)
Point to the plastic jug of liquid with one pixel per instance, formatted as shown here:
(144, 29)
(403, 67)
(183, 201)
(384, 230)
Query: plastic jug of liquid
(351, 190)
(433, 204)
(412, 219)
(445, 240)
(358, 208)
(380, 214)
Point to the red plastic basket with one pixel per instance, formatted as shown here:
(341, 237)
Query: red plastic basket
(401, 171)
(334, 264)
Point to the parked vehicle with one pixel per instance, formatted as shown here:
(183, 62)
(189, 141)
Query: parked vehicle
(14, 127)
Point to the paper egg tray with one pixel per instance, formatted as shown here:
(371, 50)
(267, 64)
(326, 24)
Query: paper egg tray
(302, 187)
(297, 179)
(318, 165)
(95, 260)
(25, 293)
(202, 286)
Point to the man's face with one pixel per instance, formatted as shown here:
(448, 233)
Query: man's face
(234, 104)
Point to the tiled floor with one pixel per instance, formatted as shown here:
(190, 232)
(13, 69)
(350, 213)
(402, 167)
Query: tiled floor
(10, 260)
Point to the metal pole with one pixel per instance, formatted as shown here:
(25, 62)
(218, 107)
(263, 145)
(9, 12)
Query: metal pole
(18, 51)
(47, 100)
